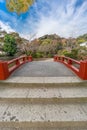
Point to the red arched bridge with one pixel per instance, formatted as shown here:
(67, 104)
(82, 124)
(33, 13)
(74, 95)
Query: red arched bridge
(61, 67)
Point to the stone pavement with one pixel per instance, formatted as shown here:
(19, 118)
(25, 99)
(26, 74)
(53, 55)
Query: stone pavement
(43, 80)
(40, 112)
(42, 91)
(43, 95)
(46, 68)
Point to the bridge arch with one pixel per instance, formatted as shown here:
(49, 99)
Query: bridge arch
(79, 67)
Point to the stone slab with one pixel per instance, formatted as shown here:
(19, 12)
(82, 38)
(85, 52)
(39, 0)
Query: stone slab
(43, 80)
(43, 92)
(23, 112)
(45, 128)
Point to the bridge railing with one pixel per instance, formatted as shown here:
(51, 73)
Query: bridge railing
(7, 67)
(79, 67)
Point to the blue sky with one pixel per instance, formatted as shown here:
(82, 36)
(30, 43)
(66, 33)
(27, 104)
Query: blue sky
(67, 18)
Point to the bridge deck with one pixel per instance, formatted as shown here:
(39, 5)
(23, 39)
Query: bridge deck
(46, 68)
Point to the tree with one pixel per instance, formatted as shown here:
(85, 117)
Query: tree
(73, 54)
(18, 6)
(27, 47)
(82, 54)
(10, 46)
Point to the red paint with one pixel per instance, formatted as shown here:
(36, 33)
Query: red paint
(30, 59)
(81, 70)
(6, 68)
(55, 58)
(4, 73)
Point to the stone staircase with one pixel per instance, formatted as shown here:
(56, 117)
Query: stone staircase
(42, 106)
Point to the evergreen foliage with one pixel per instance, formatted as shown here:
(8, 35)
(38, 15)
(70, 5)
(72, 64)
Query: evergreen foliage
(10, 46)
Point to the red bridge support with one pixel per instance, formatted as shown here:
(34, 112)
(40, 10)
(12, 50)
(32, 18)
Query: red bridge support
(4, 73)
(30, 59)
(83, 70)
(79, 67)
(7, 67)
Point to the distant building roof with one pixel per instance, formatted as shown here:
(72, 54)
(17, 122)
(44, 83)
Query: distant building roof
(1, 35)
(83, 44)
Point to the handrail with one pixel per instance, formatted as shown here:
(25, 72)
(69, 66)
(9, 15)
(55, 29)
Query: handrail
(7, 67)
(77, 62)
(79, 67)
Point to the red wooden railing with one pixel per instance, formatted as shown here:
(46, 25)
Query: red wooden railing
(7, 67)
(79, 67)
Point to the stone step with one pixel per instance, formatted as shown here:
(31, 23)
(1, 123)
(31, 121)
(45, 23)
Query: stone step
(37, 115)
(45, 128)
(39, 84)
(43, 106)
(45, 94)
(43, 80)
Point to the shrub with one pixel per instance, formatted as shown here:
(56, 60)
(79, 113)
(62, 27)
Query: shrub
(10, 46)
(39, 54)
(28, 53)
(73, 54)
(50, 55)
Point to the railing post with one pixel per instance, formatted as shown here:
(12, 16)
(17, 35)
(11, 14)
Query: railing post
(58, 58)
(55, 58)
(69, 61)
(83, 70)
(62, 59)
(30, 59)
(4, 72)
(24, 59)
(17, 63)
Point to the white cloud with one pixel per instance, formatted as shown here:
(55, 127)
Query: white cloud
(71, 22)
(60, 16)
(6, 27)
